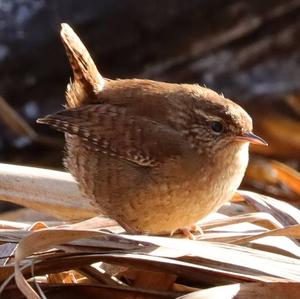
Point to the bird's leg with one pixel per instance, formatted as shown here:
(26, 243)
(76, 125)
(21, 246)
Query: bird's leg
(188, 231)
(196, 228)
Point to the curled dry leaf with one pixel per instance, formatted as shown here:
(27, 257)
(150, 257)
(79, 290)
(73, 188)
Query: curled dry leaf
(285, 213)
(273, 178)
(197, 261)
(288, 176)
(51, 192)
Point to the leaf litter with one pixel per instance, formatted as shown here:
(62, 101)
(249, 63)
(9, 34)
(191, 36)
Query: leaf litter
(249, 248)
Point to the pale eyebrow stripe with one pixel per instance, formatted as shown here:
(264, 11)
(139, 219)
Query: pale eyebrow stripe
(207, 116)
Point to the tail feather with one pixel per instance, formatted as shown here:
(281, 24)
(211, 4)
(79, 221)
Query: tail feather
(87, 80)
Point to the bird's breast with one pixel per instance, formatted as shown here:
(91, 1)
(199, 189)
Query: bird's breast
(229, 170)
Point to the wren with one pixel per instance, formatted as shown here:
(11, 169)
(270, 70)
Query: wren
(154, 156)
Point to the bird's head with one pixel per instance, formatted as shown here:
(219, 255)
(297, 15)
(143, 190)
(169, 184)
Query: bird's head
(215, 122)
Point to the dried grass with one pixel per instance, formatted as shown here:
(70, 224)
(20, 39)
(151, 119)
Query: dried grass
(249, 248)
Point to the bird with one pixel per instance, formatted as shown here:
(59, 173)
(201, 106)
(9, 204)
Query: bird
(156, 157)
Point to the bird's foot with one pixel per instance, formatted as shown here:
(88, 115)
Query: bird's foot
(188, 231)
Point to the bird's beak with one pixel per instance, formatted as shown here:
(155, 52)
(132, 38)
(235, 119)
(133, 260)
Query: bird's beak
(250, 137)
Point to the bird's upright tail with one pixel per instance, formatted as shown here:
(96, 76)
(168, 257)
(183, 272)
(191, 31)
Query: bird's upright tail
(88, 82)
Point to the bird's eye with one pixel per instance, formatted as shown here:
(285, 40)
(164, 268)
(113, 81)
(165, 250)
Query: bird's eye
(217, 126)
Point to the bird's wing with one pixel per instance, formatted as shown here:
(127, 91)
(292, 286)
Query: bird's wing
(110, 130)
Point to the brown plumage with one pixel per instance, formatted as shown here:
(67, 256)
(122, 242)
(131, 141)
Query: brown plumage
(154, 156)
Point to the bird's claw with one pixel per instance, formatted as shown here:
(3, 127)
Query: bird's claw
(188, 231)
